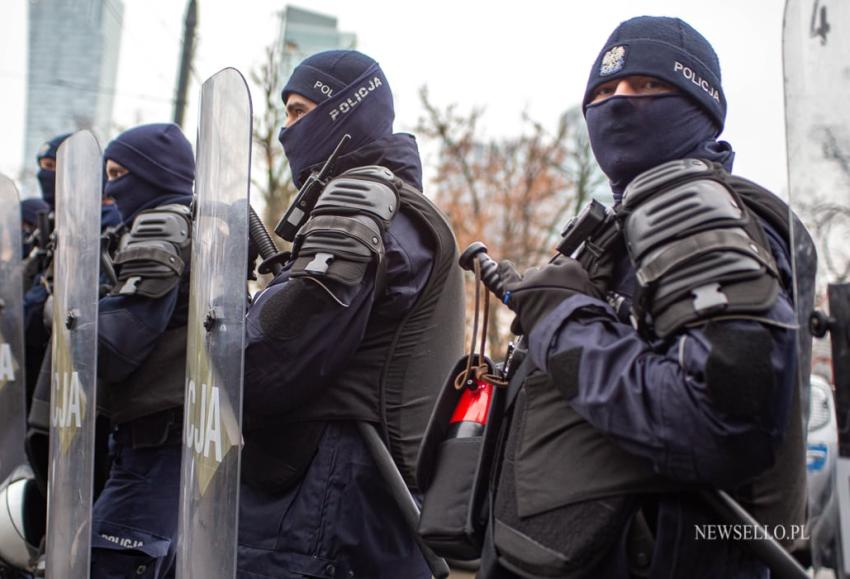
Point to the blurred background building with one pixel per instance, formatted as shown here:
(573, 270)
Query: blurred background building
(73, 60)
(303, 32)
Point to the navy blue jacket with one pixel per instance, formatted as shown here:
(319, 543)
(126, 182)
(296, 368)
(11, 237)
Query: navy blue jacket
(652, 400)
(282, 372)
(337, 520)
(129, 326)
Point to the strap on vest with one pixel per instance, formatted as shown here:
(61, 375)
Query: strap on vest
(517, 380)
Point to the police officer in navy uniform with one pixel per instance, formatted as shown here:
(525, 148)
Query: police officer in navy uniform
(142, 352)
(622, 418)
(355, 328)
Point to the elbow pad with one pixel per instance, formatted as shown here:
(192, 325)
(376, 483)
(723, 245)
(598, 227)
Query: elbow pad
(697, 250)
(152, 257)
(344, 234)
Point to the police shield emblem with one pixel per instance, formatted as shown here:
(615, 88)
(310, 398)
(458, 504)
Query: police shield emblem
(72, 398)
(12, 390)
(213, 407)
(816, 45)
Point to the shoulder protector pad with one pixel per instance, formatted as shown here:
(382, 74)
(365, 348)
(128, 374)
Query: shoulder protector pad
(697, 251)
(370, 191)
(345, 231)
(172, 223)
(664, 175)
(152, 257)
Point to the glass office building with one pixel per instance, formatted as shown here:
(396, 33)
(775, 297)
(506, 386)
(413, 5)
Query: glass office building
(303, 33)
(73, 61)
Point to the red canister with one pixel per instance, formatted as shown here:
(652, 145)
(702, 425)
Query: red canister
(470, 414)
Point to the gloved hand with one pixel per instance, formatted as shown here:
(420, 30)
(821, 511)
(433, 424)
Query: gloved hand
(540, 290)
(601, 271)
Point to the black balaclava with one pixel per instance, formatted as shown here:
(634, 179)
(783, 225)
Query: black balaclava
(161, 168)
(631, 134)
(352, 96)
(46, 177)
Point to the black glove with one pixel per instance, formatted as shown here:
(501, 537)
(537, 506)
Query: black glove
(601, 270)
(540, 290)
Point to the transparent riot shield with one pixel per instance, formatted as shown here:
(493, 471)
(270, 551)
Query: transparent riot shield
(209, 493)
(12, 388)
(72, 391)
(816, 43)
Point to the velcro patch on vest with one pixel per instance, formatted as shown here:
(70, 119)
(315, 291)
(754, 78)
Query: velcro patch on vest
(564, 368)
(738, 373)
(288, 310)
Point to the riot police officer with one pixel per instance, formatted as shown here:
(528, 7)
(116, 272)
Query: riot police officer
(344, 334)
(696, 388)
(142, 351)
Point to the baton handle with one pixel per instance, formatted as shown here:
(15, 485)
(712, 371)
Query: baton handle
(764, 546)
(477, 251)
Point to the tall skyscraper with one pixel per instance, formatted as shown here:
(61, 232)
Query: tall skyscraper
(303, 33)
(73, 60)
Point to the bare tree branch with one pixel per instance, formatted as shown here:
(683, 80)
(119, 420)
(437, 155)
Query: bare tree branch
(271, 175)
(511, 192)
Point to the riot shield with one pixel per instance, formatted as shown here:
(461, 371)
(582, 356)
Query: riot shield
(12, 388)
(816, 42)
(72, 392)
(209, 493)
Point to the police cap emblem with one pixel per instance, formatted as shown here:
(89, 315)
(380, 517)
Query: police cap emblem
(613, 61)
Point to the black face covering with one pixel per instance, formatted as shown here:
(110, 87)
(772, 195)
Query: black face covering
(133, 194)
(47, 181)
(632, 134)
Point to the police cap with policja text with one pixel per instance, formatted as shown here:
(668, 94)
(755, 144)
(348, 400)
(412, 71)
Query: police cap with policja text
(320, 76)
(665, 48)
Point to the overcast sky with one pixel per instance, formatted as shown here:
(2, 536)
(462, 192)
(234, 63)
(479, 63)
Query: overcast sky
(508, 57)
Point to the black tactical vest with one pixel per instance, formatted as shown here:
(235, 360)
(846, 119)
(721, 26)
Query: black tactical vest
(158, 384)
(394, 376)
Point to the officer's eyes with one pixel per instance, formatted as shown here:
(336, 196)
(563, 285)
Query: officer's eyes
(653, 85)
(602, 92)
(115, 173)
(294, 113)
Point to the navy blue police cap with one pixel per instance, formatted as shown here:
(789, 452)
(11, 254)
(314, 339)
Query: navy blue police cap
(50, 148)
(159, 153)
(322, 75)
(665, 48)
